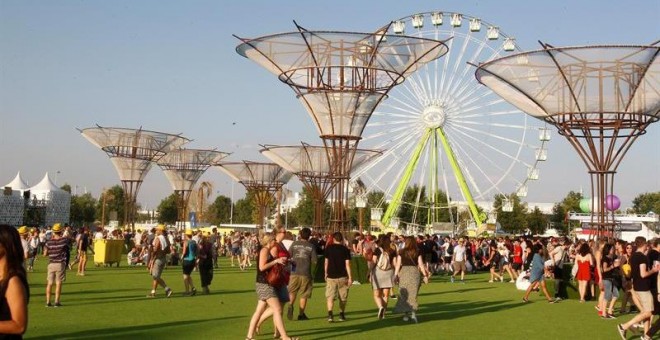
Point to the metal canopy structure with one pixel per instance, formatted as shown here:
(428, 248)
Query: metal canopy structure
(313, 167)
(132, 152)
(601, 98)
(340, 78)
(183, 168)
(261, 180)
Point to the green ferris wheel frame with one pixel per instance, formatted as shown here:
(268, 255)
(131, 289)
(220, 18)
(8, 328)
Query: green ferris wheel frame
(435, 134)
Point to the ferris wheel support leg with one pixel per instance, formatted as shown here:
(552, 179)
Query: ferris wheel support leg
(460, 178)
(393, 208)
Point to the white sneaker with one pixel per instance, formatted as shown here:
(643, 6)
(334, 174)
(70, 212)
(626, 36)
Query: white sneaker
(413, 317)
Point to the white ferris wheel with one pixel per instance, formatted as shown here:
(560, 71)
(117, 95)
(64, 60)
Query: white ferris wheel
(444, 132)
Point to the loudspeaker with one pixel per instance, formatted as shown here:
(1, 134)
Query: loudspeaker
(26, 194)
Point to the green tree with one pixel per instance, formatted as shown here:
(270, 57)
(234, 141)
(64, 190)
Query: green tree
(66, 187)
(414, 213)
(114, 202)
(375, 199)
(558, 218)
(83, 209)
(511, 221)
(243, 210)
(304, 213)
(646, 203)
(167, 209)
(536, 221)
(219, 211)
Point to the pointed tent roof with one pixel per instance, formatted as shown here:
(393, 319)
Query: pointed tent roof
(46, 184)
(18, 183)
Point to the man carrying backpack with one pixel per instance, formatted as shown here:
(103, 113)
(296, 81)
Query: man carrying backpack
(157, 260)
(303, 254)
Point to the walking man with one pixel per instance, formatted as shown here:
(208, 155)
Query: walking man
(337, 275)
(303, 254)
(56, 250)
(458, 260)
(157, 259)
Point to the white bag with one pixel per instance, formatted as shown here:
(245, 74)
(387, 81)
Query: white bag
(522, 283)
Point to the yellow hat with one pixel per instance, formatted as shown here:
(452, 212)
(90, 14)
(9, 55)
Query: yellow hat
(160, 227)
(57, 228)
(22, 230)
(188, 232)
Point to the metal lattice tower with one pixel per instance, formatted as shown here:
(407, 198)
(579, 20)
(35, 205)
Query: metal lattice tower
(132, 152)
(312, 166)
(261, 180)
(340, 78)
(601, 98)
(183, 168)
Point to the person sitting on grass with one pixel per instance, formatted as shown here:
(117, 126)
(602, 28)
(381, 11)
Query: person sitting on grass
(536, 275)
(133, 257)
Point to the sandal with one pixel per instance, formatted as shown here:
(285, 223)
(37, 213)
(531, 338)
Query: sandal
(525, 300)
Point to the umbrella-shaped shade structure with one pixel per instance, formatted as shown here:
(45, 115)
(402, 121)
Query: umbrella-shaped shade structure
(261, 180)
(183, 168)
(601, 98)
(312, 165)
(132, 152)
(340, 77)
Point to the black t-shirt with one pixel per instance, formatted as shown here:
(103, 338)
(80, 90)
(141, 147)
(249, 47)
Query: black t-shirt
(639, 284)
(653, 255)
(607, 275)
(337, 255)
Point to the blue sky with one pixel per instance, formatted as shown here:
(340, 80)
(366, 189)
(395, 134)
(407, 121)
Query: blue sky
(171, 66)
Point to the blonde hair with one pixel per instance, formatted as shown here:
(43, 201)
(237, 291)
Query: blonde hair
(266, 239)
(279, 229)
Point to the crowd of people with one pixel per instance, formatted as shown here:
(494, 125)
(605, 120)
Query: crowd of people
(284, 265)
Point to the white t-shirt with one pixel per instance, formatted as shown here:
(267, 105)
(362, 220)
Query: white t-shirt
(459, 253)
(98, 235)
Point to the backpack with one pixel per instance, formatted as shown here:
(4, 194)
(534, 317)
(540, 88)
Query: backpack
(384, 262)
(450, 249)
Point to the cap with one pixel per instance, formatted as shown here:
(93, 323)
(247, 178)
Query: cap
(22, 230)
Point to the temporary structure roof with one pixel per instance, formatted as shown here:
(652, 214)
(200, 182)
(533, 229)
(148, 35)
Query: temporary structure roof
(46, 184)
(17, 183)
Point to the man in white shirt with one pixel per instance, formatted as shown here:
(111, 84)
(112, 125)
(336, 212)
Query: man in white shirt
(458, 260)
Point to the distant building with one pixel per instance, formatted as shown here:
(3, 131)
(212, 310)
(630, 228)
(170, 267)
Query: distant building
(50, 204)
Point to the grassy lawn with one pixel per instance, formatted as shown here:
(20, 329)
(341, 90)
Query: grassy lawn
(111, 303)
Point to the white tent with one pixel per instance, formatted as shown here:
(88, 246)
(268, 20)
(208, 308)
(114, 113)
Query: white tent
(57, 202)
(12, 204)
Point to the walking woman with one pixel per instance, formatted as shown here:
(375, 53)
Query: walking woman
(267, 294)
(14, 285)
(189, 257)
(493, 261)
(584, 261)
(536, 275)
(409, 264)
(205, 264)
(382, 273)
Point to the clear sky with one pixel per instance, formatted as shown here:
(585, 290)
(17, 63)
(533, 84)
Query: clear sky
(171, 66)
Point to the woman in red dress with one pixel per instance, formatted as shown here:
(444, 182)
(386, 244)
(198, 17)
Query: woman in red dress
(584, 261)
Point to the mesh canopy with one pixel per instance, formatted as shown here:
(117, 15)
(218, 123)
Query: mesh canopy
(255, 175)
(609, 84)
(340, 77)
(132, 150)
(312, 161)
(184, 167)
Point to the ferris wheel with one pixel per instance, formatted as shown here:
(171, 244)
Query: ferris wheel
(450, 141)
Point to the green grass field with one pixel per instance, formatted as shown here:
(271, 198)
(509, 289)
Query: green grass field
(110, 303)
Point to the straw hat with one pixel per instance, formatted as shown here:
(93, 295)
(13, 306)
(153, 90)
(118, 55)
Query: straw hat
(160, 227)
(57, 228)
(188, 232)
(22, 230)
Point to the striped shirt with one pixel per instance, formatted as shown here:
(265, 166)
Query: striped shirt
(57, 248)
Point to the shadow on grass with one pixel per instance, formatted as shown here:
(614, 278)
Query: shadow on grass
(464, 290)
(426, 313)
(130, 331)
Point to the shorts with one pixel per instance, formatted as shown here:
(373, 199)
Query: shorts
(645, 300)
(282, 294)
(82, 256)
(245, 251)
(301, 286)
(157, 268)
(56, 272)
(235, 251)
(188, 267)
(265, 291)
(459, 266)
(337, 288)
(611, 291)
(516, 266)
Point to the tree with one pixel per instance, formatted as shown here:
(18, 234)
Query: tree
(511, 221)
(167, 209)
(303, 214)
(66, 187)
(415, 214)
(219, 211)
(536, 221)
(83, 209)
(558, 218)
(114, 203)
(243, 210)
(646, 203)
